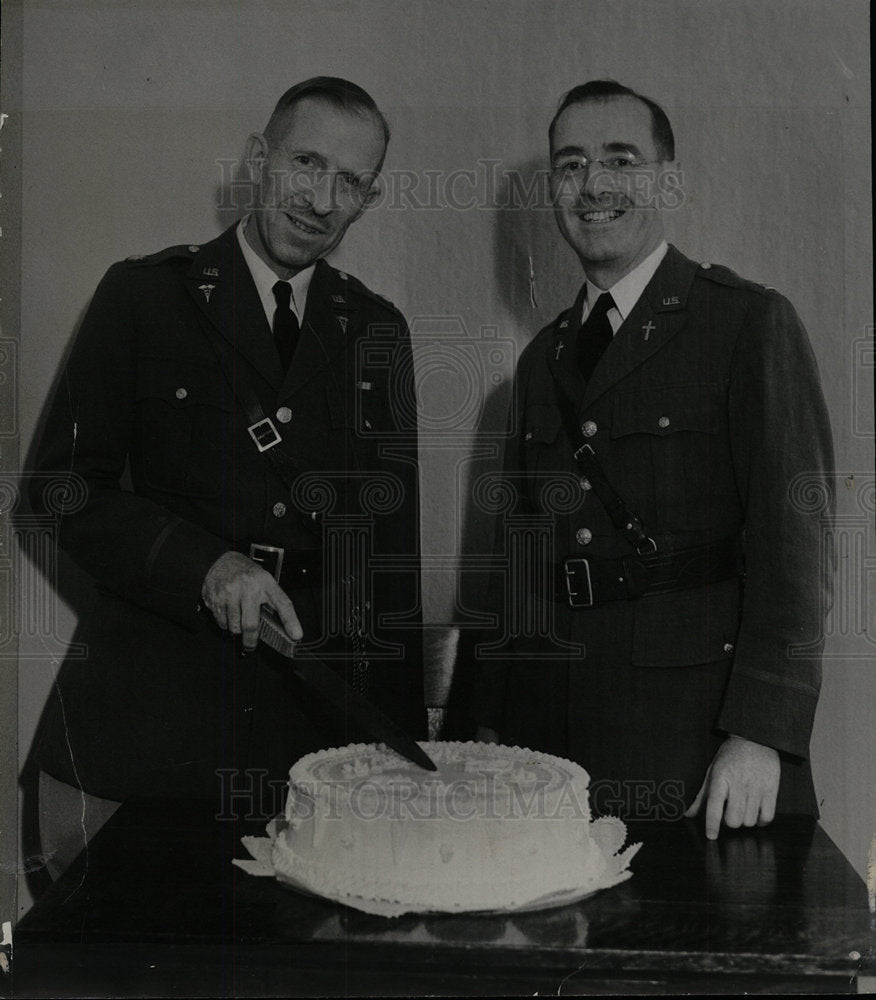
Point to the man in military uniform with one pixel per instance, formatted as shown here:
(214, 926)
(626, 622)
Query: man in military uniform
(263, 403)
(682, 424)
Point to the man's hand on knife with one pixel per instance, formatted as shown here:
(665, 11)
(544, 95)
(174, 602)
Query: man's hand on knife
(234, 590)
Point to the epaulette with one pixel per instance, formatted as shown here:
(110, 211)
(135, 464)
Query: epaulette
(355, 287)
(726, 276)
(186, 251)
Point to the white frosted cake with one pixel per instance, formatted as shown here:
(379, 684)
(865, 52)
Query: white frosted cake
(494, 827)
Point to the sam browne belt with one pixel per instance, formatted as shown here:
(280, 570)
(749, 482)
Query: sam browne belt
(590, 582)
(293, 569)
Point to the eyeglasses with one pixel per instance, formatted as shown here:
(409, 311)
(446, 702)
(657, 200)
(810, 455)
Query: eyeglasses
(620, 163)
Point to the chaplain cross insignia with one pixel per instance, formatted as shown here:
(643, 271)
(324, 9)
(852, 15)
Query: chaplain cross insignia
(648, 328)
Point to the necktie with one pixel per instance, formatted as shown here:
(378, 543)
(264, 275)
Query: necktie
(286, 329)
(595, 335)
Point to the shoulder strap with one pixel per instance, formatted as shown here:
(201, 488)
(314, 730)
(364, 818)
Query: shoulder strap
(627, 524)
(262, 429)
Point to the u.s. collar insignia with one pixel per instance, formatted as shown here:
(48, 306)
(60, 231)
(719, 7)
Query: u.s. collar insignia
(564, 324)
(206, 289)
(211, 272)
(671, 301)
(338, 298)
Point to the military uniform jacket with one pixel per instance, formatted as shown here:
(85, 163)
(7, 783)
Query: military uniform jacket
(707, 417)
(162, 698)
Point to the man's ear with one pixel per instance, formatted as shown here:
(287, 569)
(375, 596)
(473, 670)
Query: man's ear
(255, 153)
(372, 196)
(374, 189)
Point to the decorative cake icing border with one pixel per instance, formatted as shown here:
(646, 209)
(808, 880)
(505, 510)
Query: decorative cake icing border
(438, 750)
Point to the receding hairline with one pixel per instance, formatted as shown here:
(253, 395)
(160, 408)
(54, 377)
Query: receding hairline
(334, 92)
(602, 99)
(661, 128)
(281, 119)
(280, 116)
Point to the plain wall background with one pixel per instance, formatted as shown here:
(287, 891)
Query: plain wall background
(133, 112)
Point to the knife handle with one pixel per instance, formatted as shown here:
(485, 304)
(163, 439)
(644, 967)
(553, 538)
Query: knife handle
(272, 633)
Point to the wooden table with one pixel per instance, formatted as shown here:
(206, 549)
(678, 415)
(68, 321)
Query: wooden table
(156, 908)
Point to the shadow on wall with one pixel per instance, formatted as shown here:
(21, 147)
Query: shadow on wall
(527, 242)
(536, 276)
(233, 198)
(46, 581)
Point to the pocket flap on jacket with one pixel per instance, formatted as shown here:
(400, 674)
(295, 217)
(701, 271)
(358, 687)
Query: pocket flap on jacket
(666, 410)
(687, 627)
(182, 384)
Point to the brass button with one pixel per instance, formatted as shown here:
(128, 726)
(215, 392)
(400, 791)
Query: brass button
(584, 483)
(367, 424)
(279, 509)
(663, 421)
(728, 647)
(181, 393)
(528, 436)
(588, 428)
(284, 414)
(583, 536)
(193, 248)
(705, 266)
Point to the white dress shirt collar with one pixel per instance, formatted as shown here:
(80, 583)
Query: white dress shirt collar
(626, 292)
(265, 279)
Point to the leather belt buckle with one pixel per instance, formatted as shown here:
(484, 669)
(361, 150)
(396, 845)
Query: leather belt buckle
(577, 571)
(264, 433)
(269, 557)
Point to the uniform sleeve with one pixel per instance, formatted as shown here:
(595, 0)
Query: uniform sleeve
(783, 460)
(130, 545)
(400, 595)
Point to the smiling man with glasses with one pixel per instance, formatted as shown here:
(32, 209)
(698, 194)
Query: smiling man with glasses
(672, 642)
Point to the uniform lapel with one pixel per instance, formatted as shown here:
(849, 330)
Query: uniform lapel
(655, 319)
(330, 324)
(221, 285)
(562, 350)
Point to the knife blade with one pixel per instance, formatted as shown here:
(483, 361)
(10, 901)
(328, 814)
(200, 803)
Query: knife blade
(340, 695)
